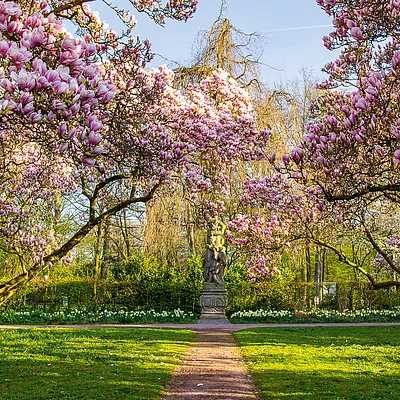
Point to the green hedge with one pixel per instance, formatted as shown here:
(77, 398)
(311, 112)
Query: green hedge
(159, 294)
(266, 295)
(142, 283)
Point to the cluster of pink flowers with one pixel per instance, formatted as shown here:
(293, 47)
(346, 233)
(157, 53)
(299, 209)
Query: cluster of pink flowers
(50, 80)
(262, 236)
(261, 239)
(177, 9)
(352, 145)
(204, 132)
(28, 205)
(52, 100)
(391, 250)
(347, 168)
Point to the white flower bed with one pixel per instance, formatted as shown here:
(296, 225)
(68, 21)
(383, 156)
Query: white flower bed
(317, 315)
(104, 316)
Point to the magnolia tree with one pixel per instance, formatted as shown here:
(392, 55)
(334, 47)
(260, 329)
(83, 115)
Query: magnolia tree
(82, 116)
(346, 171)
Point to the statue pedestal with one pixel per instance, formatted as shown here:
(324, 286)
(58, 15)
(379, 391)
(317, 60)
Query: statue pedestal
(213, 304)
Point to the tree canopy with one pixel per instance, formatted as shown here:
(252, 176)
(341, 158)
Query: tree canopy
(345, 174)
(83, 116)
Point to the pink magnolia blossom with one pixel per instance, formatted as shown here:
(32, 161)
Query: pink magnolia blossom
(356, 32)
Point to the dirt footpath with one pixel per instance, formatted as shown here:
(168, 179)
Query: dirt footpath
(212, 369)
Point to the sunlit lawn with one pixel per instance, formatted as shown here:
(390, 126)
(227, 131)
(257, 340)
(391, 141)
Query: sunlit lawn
(88, 363)
(324, 362)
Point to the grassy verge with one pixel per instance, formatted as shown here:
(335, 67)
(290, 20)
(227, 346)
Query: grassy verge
(324, 362)
(88, 363)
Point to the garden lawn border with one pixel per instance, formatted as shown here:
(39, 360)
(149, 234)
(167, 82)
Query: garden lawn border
(204, 327)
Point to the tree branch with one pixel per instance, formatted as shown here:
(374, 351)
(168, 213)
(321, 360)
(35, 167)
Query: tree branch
(344, 259)
(379, 250)
(74, 3)
(7, 289)
(367, 190)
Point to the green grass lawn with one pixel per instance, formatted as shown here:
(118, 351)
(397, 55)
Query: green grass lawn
(324, 362)
(88, 363)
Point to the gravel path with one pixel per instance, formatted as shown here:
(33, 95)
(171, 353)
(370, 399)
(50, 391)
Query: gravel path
(212, 369)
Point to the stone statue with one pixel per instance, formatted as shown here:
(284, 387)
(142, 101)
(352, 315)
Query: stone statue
(215, 260)
(213, 295)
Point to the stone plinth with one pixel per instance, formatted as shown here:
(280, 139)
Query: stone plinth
(213, 304)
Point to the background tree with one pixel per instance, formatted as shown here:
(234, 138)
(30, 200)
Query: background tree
(283, 110)
(226, 47)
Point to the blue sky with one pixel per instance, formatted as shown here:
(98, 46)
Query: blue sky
(293, 32)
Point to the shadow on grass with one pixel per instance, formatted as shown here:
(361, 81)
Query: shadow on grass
(324, 362)
(283, 384)
(88, 364)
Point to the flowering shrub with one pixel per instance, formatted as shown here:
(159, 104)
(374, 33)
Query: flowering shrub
(316, 315)
(84, 316)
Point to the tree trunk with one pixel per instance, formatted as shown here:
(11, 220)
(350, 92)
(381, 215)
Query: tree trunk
(317, 278)
(307, 277)
(97, 258)
(105, 262)
(190, 231)
(125, 235)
